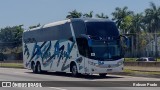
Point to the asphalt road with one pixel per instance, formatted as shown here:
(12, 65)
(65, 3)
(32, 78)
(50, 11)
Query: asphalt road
(10, 74)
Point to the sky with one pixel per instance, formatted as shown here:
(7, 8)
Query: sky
(32, 12)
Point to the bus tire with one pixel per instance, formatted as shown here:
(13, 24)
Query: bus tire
(74, 70)
(102, 74)
(33, 67)
(38, 67)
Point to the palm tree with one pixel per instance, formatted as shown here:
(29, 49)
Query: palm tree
(34, 26)
(102, 16)
(137, 23)
(89, 15)
(152, 19)
(136, 29)
(120, 15)
(74, 14)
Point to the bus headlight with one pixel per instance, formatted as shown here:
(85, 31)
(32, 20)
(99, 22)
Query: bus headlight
(120, 63)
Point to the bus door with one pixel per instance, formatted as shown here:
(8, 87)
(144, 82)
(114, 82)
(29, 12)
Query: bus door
(86, 62)
(84, 52)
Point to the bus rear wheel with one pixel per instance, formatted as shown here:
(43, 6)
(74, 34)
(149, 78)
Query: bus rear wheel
(38, 67)
(102, 74)
(33, 67)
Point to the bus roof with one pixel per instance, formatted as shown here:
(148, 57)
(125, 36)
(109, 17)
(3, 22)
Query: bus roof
(70, 20)
(56, 23)
(91, 19)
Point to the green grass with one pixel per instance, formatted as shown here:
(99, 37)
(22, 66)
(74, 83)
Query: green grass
(142, 72)
(12, 65)
(130, 59)
(134, 59)
(158, 59)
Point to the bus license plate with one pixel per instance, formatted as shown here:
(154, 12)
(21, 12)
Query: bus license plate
(109, 70)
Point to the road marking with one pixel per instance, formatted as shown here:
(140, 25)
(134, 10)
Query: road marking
(57, 88)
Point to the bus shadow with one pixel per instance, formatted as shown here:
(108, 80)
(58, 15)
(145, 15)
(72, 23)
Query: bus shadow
(89, 77)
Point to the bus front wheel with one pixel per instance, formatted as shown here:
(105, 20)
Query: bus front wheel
(74, 70)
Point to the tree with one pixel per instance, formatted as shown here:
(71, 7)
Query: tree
(120, 16)
(34, 26)
(137, 30)
(74, 14)
(152, 18)
(88, 15)
(102, 16)
(126, 25)
(12, 35)
(137, 23)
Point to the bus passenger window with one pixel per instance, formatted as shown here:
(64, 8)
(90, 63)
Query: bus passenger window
(82, 46)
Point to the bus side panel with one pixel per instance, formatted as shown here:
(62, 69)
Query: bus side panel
(53, 55)
(27, 54)
(63, 53)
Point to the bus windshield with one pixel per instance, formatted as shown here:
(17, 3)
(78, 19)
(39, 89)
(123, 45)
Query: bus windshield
(104, 48)
(106, 51)
(102, 29)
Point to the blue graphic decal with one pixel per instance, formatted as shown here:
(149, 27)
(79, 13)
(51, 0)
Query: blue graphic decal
(39, 52)
(45, 54)
(69, 51)
(65, 67)
(58, 53)
(26, 50)
(34, 53)
(56, 49)
(80, 67)
(79, 60)
(100, 62)
(46, 51)
(61, 50)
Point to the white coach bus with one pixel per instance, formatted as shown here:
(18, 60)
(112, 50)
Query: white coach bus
(80, 46)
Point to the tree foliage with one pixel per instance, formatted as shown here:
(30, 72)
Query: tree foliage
(122, 16)
(88, 15)
(102, 16)
(34, 26)
(74, 14)
(12, 35)
(137, 24)
(152, 18)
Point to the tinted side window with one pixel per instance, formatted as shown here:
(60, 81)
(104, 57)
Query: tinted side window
(57, 32)
(48, 34)
(83, 46)
(79, 28)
